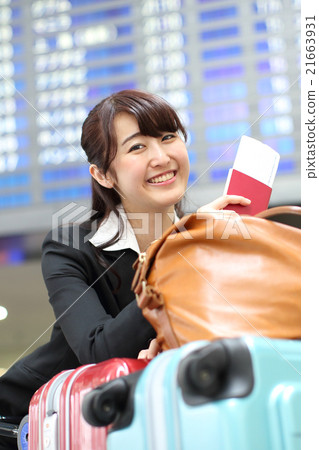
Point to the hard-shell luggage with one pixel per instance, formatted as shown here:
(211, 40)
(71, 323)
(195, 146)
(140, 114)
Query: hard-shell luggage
(55, 419)
(230, 394)
(43, 412)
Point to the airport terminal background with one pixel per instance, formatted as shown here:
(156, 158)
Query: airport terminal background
(230, 67)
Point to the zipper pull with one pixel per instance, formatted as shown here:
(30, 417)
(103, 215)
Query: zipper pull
(138, 264)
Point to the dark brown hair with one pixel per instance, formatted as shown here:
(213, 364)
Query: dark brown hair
(154, 116)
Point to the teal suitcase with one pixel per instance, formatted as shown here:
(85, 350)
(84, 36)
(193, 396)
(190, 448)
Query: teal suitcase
(229, 394)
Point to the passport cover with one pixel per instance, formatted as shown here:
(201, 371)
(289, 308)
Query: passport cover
(242, 184)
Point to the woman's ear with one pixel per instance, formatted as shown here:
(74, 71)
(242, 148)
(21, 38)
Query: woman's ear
(103, 180)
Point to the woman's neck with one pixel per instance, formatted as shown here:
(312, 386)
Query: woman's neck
(150, 226)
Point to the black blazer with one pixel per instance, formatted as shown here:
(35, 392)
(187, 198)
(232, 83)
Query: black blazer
(95, 319)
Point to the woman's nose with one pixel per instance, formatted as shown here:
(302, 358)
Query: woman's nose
(158, 155)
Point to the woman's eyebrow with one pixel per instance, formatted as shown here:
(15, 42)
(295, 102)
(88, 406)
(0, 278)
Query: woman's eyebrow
(132, 136)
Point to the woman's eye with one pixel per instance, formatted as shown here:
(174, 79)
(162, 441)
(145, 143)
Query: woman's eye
(168, 137)
(136, 147)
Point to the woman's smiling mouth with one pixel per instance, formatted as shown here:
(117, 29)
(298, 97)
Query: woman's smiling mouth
(164, 178)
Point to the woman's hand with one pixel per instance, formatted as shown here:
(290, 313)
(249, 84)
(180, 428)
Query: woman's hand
(152, 351)
(222, 202)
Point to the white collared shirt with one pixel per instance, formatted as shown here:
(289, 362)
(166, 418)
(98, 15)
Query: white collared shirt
(110, 226)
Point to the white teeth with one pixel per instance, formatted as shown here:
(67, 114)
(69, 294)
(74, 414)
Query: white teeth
(162, 178)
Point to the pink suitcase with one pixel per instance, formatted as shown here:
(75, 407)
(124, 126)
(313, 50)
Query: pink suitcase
(55, 419)
(40, 434)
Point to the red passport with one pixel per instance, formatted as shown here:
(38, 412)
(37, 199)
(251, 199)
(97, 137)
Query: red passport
(252, 175)
(259, 193)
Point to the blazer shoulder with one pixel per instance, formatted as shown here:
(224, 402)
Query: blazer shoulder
(73, 235)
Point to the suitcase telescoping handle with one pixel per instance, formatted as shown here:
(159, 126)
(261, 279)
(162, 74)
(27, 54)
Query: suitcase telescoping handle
(16, 428)
(9, 430)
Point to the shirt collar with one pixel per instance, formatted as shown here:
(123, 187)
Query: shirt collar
(110, 226)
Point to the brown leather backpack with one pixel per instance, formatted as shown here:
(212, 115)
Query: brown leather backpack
(209, 278)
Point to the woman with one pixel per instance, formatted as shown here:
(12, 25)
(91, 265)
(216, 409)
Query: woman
(135, 144)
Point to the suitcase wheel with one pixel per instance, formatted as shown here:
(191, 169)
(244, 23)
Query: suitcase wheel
(222, 369)
(203, 371)
(23, 433)
(102, 406)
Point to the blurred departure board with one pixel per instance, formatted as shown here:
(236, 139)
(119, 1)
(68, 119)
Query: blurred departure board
(230, 67)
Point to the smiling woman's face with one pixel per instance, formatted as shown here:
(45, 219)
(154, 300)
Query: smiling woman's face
(151, 172)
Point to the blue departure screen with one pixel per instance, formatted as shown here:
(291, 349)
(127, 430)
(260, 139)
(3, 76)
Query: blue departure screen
(229, 68)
